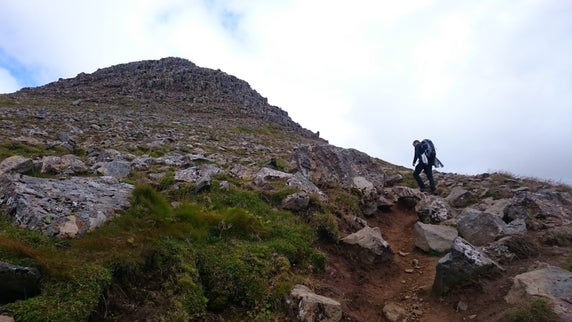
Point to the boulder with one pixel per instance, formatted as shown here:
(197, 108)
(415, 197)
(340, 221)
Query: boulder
(369, 247)
(551, 283)
(16, 164)
(459, 197)
(462, 264)
(433, 210)
(118, 169)
(197, 174)
(479, 228)
(306, 306)
(433, 237)
(328, 164)
(63, 208)
(296, 202)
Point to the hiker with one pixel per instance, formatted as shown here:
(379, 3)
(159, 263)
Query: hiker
(425, 154)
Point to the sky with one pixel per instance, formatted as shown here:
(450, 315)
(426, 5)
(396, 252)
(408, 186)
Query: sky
(489, 81)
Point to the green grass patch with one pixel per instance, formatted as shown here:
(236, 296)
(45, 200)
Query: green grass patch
(535, 310)
(216, 250)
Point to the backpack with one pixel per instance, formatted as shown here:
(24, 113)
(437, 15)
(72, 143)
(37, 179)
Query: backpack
(429, 148)
(429, 153)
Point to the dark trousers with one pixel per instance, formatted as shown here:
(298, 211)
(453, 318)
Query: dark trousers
(428, 169)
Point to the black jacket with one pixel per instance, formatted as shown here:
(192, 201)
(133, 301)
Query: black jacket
(420, 149)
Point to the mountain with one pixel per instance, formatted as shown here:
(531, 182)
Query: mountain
(159, 190)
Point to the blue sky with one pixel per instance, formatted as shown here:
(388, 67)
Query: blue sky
(489, 81)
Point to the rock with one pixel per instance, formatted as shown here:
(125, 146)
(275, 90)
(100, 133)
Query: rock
(64, 208)
(540, 210)
(459, 197)
(296, 202)
(479, 228)
(327, 164)
(306, 306)
(394, 312)
(117, 169)
(67, 164)
(463, 263)
(16, 164)
(433, 237)
(18, 282)
(433, 210)
(551, 283)
(198, 173)
(369, 195)
(369, 246)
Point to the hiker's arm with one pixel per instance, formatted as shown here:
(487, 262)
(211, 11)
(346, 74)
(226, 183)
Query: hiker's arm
(417, 154)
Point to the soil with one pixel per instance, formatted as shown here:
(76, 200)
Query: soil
(364, 291)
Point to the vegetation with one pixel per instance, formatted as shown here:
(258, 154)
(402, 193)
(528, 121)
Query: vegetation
(218, 250)
(535, 310)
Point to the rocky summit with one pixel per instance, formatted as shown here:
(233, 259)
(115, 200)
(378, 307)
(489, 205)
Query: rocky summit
(159, 190)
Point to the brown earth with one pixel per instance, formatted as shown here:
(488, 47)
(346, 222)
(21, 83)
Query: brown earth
(363, 291)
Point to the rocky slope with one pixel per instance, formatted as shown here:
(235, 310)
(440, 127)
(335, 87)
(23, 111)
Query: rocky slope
(72, 152)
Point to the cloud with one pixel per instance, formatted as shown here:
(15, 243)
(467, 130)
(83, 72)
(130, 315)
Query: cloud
(485, 80)
(8, 83)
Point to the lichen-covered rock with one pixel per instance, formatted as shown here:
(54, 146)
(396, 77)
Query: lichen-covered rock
(63, 208)
(463, 263)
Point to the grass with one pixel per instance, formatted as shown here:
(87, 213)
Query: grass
(218, 250)
(535, 310)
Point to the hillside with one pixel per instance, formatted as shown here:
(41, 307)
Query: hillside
(163, 191)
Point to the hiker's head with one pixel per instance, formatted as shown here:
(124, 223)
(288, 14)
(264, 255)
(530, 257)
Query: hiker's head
(416, 142)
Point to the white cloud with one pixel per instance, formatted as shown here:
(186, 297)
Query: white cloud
(480, 78)
(8, 83)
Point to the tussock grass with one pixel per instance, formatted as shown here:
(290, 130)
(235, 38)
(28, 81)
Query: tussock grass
(535, 310)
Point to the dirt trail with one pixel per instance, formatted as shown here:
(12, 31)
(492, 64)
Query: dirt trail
(364, 292)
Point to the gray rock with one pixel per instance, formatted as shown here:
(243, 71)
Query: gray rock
(540, 210)
(67, 164)
(433, 237)
(459, 197)
(463, 263)
(369, 246)
(327, 164)
(479, 228)
(306, 306)
(63, 208)
(198, 173)
(433, 210)
(296, 202)
(117, 169)
(16, 164)
(551, 283)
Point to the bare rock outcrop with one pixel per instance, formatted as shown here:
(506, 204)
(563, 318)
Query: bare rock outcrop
(63, 208)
